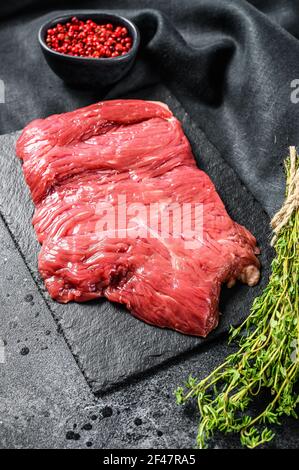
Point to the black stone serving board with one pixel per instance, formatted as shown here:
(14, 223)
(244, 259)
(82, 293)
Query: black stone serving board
(109, 344)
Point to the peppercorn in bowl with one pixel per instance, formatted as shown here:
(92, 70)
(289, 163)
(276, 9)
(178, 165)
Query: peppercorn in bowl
(89, 49)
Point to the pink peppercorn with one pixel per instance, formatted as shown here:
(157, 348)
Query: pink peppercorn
(89, 39)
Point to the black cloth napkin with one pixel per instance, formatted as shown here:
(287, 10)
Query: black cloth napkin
(230, 63)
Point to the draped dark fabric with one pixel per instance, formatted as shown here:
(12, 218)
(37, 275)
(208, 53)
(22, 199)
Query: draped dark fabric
(230, 63)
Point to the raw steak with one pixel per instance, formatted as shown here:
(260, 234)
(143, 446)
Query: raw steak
(80, 165)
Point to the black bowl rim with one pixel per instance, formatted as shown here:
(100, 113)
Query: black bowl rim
(63, 18)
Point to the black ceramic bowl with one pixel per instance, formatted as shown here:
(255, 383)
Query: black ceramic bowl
(89, 71)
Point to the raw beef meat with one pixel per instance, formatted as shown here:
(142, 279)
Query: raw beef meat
(78, 165)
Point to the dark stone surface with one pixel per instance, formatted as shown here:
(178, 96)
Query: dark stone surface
(40, 384)
(44, 399)
(110, 345)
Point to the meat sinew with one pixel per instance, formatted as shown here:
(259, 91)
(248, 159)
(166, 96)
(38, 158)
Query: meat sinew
(131, 158)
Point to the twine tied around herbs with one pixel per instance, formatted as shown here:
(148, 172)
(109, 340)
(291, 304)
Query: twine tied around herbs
(291, 202)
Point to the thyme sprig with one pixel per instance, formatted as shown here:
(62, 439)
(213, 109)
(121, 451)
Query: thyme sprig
(267, 358)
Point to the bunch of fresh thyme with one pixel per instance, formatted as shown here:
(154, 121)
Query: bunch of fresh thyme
(268, 355)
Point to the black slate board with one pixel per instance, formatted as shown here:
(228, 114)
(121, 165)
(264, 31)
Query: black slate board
(110, 345)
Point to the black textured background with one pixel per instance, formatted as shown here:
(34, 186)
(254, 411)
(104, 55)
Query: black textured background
(230, 63)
